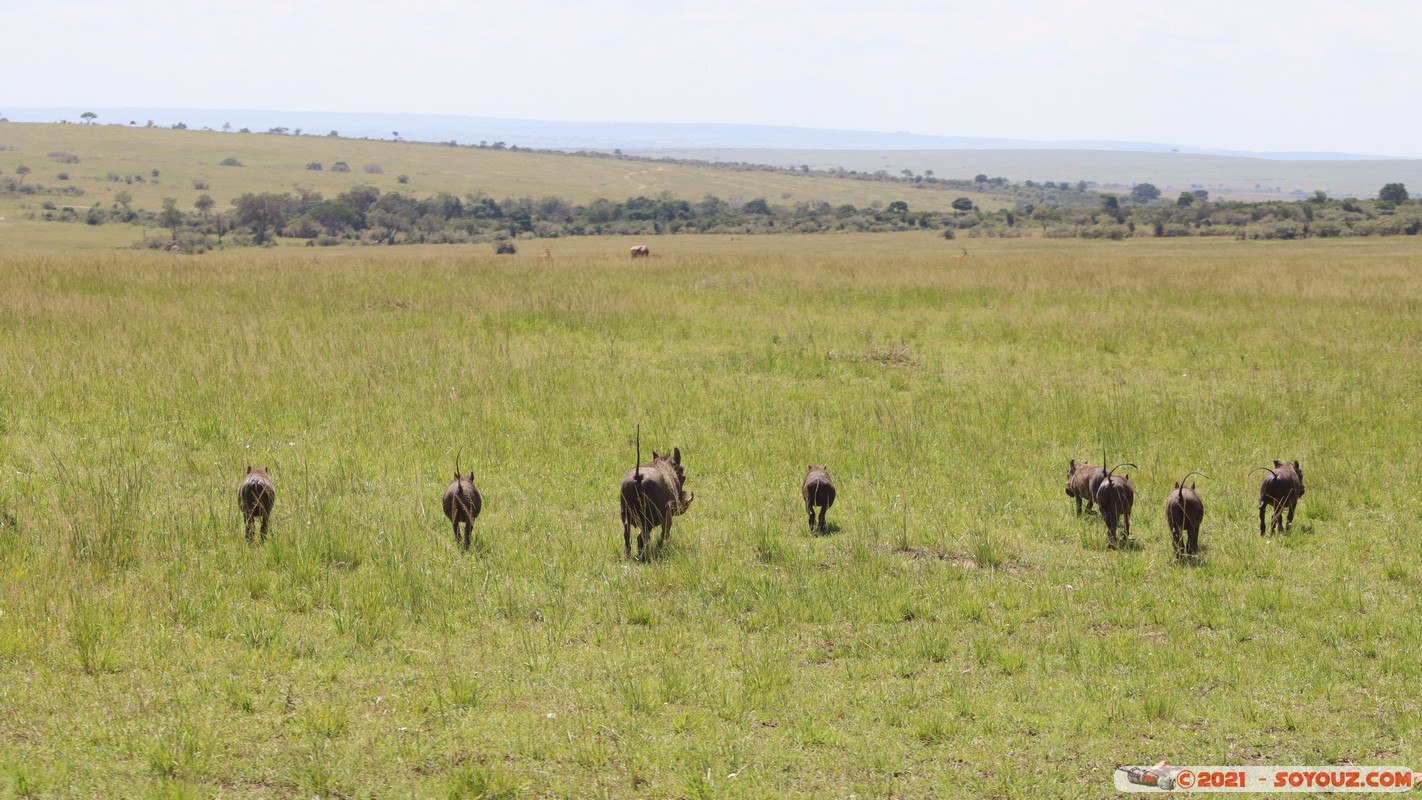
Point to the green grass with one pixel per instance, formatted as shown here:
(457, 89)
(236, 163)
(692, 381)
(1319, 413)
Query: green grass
(959, 633)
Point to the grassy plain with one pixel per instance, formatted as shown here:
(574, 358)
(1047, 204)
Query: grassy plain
(959, 633)
(278, 163)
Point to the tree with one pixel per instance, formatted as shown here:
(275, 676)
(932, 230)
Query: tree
(980, 178)
(1394, 193)
(756, 206)
(1186, 198)
(963, 204)
(204, 204)
(22, 171)
(89, 117)
(1144, 192)
(1110, 203)
(171, 217)
(262, 212)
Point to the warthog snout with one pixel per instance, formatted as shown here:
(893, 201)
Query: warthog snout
(818, 490)
(651, 495)
(1282, 490)
(462, 505)
(255, 497)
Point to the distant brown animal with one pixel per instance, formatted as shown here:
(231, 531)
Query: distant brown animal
(255, 497)
(1082, 481)
(651, 495)
(1115, 495)
(960, 256)
(818, 490)
(1183, 512)
(639, 250)
(462, 504)
(547, 255)
(1282, 490)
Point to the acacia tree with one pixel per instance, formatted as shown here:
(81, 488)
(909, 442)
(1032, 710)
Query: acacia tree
(1394, 193)
(262, 212)
(22, 171)
(89, 117)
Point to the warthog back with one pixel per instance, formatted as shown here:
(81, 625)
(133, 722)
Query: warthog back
(1116, 496)
(817, 491)
(651, 496)
(1281, 490)
(1184, 511)
(255, 497)
(1082, 482)
(462, 504)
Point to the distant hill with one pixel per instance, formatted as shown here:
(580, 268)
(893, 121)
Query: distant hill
(604, 135)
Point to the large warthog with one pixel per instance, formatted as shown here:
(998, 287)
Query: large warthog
(1282, 490)
(1115, 496)
(462, 505)
(255, 497)
(1183, 512)
(1082, 482)
(818, 490)
(651, 495)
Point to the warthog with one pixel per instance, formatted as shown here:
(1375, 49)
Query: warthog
(1184, 512)
(651, 495)
(462, 505)
(255, 496)
(640, 250)
(1115, 496)
(1082, 481)
(1282, 489)
(818, 490)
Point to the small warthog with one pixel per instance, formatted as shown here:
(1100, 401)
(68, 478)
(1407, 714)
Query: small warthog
(1115, 496)
(818, 490)
(1183, 512)
(255, 496)
(462, 505)
(651, 495)
(1282, 489)
(1082, 481)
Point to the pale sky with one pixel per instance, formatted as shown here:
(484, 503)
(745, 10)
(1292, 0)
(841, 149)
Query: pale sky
(1301, 75)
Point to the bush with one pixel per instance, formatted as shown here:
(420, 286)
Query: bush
(201, 185)
(340, 166)
(231, 162)
(373, 169)
(403, 179)
(314, 166)
(505, 248)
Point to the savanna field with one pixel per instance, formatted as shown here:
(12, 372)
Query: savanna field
(958, 632)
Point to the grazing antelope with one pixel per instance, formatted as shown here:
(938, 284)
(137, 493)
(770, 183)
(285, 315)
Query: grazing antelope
(818, 490)
(547, 255)
(1282, 490)
(1115, 495)
(651, 495)
(1183, 512)
(255, 497)
(462, 505)
(960, 256)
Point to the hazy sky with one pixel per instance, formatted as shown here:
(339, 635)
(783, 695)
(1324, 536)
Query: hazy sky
(1239, 74)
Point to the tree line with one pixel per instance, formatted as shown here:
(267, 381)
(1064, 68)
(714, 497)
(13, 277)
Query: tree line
(366, 215)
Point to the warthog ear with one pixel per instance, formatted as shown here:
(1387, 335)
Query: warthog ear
(1298, 468)
(1192, 485)
(1278, 463)
(676, 455)
(655, 456)
(1073, 465)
